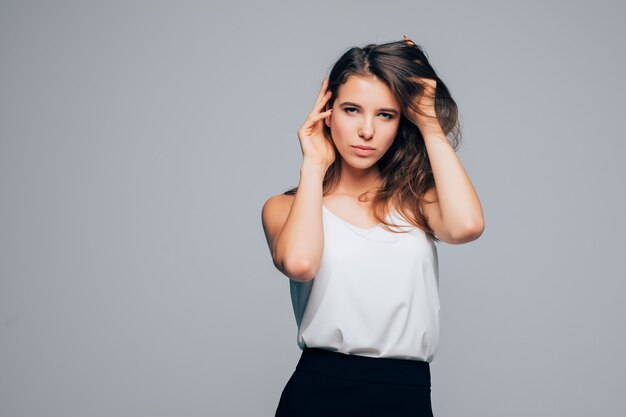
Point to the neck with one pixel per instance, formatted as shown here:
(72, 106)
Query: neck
(355, 181)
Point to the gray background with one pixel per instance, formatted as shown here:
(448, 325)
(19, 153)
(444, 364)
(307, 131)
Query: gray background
(139, 141)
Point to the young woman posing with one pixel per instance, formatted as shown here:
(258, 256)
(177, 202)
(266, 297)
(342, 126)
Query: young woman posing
(380, 184)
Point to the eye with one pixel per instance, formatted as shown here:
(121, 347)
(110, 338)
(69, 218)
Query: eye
(387, 115)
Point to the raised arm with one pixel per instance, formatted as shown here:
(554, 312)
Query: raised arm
(456, 216)
(293, 229)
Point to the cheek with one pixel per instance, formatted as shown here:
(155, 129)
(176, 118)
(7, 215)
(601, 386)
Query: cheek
(390, 136)
(340, 126)
(390, 131)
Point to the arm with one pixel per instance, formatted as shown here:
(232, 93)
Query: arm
(457, 216)
(293, 227)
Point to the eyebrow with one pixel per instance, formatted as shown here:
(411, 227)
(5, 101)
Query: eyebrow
(345, 103)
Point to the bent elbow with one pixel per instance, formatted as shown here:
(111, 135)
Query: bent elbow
(477, 229)
(298, 270)
(471, 232)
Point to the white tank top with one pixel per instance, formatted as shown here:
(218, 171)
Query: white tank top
(376, 293)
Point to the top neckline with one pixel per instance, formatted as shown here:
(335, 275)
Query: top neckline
(363, 229)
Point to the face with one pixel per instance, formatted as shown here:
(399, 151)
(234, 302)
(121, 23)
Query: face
(365, 113)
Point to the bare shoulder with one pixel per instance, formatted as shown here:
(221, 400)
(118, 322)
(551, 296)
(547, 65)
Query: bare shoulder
(273, 216)
(276, 206)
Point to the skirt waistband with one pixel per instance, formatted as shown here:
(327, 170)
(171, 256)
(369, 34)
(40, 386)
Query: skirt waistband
(364, 368)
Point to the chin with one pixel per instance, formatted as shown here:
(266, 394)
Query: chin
(360, 163)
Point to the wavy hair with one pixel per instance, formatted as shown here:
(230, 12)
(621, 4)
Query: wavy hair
(405, 168)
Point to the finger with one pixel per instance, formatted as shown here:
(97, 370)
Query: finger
(430, 85)
(320, 103)
(427, 83)
(408, 40)
(321, 115)
(323, 89)
(322, 94)
(323, 98)
(324, 84)
(326, 113)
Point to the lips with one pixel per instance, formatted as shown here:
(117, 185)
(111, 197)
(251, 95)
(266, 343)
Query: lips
(363, 147)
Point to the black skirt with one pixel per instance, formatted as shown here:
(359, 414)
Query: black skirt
(328, 383)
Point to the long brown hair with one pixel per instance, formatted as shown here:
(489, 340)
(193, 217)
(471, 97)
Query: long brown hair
(405, 168)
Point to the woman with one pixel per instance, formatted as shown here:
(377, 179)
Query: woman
(380, 183)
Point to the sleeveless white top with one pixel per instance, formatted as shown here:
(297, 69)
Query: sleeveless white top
(376, 293)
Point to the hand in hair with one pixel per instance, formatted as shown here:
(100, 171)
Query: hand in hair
(425, 117)
(408, 40)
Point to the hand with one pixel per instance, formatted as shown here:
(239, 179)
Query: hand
(408, 40)
(315, 146)
(425, 103)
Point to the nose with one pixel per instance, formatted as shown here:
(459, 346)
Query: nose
(367, 129)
